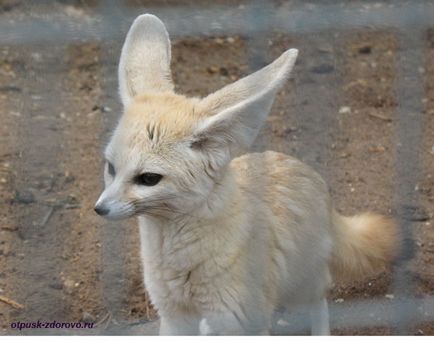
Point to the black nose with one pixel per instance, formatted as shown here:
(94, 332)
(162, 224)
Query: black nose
(100, 210)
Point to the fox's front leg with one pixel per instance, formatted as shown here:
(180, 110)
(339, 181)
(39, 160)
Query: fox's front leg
(181, 325)
(228, 324)
(220, 324)
(320, 318)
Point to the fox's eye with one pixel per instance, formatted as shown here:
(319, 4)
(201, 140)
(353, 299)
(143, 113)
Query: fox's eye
(148, 179)
(111, 169)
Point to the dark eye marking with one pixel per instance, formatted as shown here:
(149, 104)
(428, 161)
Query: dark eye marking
(148, 179)
(111, 169)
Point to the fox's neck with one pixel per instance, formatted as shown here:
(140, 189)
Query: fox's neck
(220, 200)
(216, 217)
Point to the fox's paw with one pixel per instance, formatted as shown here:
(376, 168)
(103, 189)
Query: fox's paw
(205, 329)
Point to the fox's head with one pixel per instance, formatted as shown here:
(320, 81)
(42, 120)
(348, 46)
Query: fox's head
(169, 152)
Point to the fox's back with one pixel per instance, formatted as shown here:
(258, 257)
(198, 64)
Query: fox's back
(275, 178)
(290, 210)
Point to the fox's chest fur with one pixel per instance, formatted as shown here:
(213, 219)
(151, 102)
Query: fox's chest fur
(186, 264)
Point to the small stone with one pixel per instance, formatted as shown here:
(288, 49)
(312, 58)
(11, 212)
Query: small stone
(389, 296)
(56, 286)
(9, 227)
(68, 286)
(325, 48)
(323, 69)
(212, 69)
(365, 50)
(24, 197)
(344, 110)
(230, 40)
(223, 71)
(9, 88)
(69, 179)
(37, 57)
(339, 300)
(282, 323)
(377, 149)
(71, 202)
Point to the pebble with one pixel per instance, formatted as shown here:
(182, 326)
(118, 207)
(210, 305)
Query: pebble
(282, 323)
(212, 69)
(323, 69)
(339, 300)
(56, 286)
(24, 197)
(365, 50)
(10, 88)
(344, 110)
(230, 40)
(68, 286)
(377, 149)
(71, 202)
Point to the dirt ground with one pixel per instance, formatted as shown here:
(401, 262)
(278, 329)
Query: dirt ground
(59, 261)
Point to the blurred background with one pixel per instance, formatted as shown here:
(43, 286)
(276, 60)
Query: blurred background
(359, 109)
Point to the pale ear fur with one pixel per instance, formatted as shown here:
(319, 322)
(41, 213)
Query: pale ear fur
(145, 59)
(237, 111)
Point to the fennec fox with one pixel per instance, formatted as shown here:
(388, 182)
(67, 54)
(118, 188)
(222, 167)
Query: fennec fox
(226, 238)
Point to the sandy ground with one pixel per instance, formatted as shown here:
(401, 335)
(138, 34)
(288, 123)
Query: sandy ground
(58, 102)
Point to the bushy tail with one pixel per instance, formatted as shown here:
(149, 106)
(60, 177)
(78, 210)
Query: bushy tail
(364, 245)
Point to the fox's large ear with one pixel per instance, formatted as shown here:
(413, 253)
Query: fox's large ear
(235, 114)
(145, 59)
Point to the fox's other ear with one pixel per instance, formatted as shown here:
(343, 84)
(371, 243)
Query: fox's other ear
(145, 59)
(236, 113)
